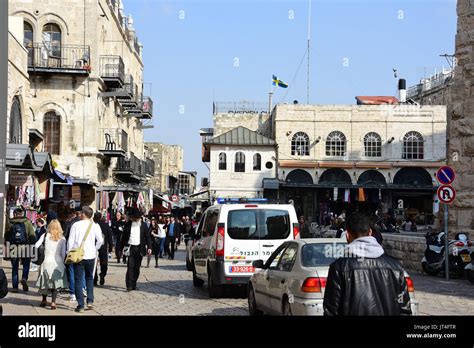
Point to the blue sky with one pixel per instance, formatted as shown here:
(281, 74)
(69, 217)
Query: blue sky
(191, 47)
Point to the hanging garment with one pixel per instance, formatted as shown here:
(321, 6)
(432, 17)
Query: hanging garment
(335, 192)
(361, 195)
(347, 195)
(120, 202)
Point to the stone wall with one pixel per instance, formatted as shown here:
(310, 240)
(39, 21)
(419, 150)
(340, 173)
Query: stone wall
(169, 159)
(224, 122)
(461, 121)
(409, 250)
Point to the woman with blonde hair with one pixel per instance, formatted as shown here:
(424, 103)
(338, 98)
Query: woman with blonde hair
(52, 274)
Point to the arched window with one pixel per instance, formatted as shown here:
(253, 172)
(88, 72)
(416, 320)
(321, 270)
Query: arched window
(27, 34)
(373, 145)
(413, 146)
(300, 144)
(15, 122)
(52, 39)
(239, 166)
(222, 161)
(52, 132)
(257, 162)
(336, 144)
(28, 40)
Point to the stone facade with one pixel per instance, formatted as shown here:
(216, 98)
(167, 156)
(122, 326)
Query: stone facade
(224, 122)
(18, 81)
(169, 161)
(355, 121)
(249, 184)
(85, 116)
(461, 121)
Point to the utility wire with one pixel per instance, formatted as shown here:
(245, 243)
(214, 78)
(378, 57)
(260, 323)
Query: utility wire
(295, 76)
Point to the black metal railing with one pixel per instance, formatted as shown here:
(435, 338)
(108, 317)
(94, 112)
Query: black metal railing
(114, 139)
(52, 56)
(112, 67)
(150, 167)
(147, 105)
(128, 165)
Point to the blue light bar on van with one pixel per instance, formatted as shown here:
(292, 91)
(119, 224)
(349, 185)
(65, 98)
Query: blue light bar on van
(241, 200)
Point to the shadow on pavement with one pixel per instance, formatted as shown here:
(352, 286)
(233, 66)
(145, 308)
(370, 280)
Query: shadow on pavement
(439, 286)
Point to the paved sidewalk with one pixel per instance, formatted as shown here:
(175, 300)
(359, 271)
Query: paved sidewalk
(168, 290)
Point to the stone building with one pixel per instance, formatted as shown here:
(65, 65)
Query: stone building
(366, 155)
(86, 83)
(391, 152)
(240, 160)
(169, 161)
(453, 88)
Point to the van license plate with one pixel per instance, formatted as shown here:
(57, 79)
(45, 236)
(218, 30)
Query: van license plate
(241, 269)
(466, 258)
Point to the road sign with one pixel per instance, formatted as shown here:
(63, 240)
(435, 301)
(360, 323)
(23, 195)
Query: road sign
(446, 194)
(175, 198)
(445, 175)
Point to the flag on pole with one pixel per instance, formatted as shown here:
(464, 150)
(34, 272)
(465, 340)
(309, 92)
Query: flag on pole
(279, 83)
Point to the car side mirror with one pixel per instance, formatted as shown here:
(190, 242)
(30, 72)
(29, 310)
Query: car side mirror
(258, 264)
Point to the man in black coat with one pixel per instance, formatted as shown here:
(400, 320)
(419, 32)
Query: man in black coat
(136, 236)
(118, 225)
(105, 249)
(365, 281)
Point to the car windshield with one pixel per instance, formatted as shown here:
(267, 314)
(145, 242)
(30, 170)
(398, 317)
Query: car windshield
(321, 254)
(258, 224)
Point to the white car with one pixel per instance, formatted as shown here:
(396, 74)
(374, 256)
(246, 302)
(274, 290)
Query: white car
(232, 236)
(293, 280)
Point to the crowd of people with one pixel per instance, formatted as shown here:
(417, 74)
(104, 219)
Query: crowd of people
(132, 236)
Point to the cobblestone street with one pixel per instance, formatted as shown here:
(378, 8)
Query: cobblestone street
(168, 290)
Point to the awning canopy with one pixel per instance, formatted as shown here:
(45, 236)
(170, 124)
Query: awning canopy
(271, 184)
(22, 157)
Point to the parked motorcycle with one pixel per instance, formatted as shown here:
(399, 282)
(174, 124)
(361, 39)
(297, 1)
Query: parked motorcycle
(459, 251)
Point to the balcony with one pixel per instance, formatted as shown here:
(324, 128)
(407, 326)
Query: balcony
(112, 71)
(147, 108)
(48, 58)
(114, 142)
(150, 167)
(126, 166)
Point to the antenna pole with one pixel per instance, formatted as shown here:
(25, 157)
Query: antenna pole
(309, 45)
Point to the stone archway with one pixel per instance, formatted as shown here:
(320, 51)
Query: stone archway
(335, 176)
(413, 177)
(299, 176)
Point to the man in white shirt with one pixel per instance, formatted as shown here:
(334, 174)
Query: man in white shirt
(92, 244)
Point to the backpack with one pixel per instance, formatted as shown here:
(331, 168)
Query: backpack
(18, 233)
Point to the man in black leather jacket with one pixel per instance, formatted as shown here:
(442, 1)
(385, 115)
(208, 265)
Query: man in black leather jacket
(365, 281)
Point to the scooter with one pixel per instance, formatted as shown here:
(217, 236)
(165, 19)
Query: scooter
(459, 253)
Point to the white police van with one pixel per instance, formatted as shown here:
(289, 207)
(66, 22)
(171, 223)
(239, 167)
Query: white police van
(235, 232)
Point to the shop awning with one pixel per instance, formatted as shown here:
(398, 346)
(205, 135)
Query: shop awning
(117, 189)
(62, 179)
(20, 156)
(83, 181)
(44, 161)
(271, 184)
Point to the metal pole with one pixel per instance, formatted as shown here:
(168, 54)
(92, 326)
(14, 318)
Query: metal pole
(309, 44)
(446, 251)
(3, 107)
(270, 103)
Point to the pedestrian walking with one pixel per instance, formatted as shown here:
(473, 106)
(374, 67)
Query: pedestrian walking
(75, 217)
(365, 281)
(161, 236)
(21, 235)
(171, 238)
(136, 237)
(52, 275)
(167, 222)
(39, 231)
(104, 249)
(87, 235)
(155, 240)
(118, 225)
(304, 228)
